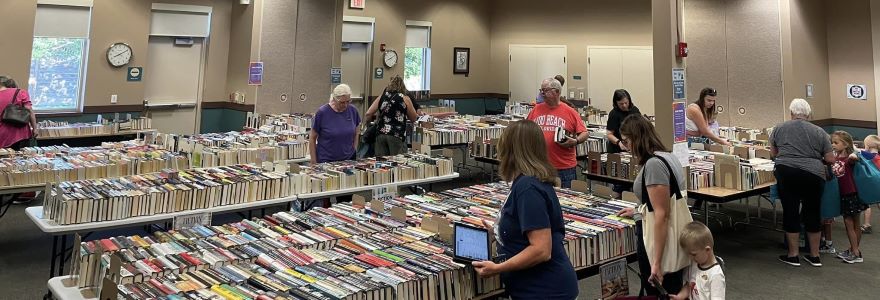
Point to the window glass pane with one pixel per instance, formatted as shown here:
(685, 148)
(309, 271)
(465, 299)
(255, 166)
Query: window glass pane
(56, 73)
(413, 75)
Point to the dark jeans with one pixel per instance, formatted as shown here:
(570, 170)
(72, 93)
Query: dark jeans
(386, 145)
(566, 176)
(801, 195)
(672, 282)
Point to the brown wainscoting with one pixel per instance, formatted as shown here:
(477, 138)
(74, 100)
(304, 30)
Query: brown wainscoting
(229, 105)
(846, 122)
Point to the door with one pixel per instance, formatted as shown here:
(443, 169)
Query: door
(354, 68)
(630, 68)
(173, 84)
(529, 65)
(604, 77)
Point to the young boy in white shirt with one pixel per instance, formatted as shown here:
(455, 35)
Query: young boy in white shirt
(704, 279)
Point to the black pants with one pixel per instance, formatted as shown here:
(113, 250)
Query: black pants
(801, 195)
(21, 144)
(672, 282)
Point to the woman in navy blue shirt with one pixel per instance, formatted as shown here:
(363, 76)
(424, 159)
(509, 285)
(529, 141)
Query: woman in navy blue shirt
(529, 230)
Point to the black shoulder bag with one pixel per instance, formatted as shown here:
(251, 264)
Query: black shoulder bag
(16, 114)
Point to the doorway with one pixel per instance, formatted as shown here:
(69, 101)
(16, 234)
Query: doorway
(173, 83)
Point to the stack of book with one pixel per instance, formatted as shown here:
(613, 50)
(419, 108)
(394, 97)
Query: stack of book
(437, 109)
(297, 122)
(520, 110)
(49, 128)
(743, 134)
(371, 171)
(457, 130)
(141, 123)
(618, 165)
(245, 147)
(714, 169)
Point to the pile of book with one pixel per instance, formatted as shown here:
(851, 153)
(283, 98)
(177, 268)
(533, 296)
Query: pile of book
(714, 169)
(40, 165)
(618, 165)
(437, 109)
(296, 122)
(141, 123)
(229, 148)
(744, 134)
(484, 148)
(172, 191)
(456, 130)
(521, 110)
(49, 128)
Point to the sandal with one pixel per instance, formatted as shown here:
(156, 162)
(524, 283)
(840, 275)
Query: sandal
(867, 229)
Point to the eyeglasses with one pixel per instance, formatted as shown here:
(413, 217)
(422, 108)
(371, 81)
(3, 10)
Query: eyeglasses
(545, 90)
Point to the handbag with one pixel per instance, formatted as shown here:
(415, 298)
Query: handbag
(674, 257)
(371, 131)
(16, 115)
(867, 178)
(830, 204)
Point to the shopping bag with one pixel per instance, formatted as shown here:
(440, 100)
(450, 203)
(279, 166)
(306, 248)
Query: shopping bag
(867, 178)
(830, 204)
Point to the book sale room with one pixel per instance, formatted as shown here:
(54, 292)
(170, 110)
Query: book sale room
(439, 149)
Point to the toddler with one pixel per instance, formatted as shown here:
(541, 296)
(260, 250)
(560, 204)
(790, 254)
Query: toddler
(704, 279)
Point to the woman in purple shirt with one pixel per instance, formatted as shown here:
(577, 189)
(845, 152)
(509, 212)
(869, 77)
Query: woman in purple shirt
(334, 134)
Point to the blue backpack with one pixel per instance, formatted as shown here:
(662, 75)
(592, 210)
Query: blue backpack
(867, 178)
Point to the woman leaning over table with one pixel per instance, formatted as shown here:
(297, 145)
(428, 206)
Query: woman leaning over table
(653, 186)
(700, 122)
(530, 229)
(14, 136)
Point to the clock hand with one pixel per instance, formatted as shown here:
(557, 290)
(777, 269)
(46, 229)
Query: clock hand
(121, 53)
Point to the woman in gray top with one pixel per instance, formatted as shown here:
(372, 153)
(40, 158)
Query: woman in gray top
(802, 150)
(654, 186)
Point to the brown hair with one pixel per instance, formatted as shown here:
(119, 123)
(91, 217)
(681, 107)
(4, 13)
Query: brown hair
(846, 138)
(708, 112)
(522, 150)
(696, 236)
(643, 140)
(561, 79)
(397, 85)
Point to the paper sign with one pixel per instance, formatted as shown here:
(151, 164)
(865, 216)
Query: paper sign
(398, 213)
(377, 206)
(629, 197)
(680, 150)
(335, 75)
(613, 278)
(678, 122)
(255, 73)
(678, 84)
(580, 186)
(385, 193)
(190, 220)
(358, 200)
(857, 91)
(602, 191)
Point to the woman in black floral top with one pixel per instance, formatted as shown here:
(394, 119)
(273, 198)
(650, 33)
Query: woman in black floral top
(392, 110)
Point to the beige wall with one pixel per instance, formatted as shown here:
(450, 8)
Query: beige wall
(242, 35)
(456, 23)
(574, 23)
(805, 54)
(850, 58)
(16, 45)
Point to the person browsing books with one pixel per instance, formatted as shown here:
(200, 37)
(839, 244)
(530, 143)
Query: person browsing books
(334, 134)
(700, 122)
(529, 229)
(653, 186)
(11, 135)
(623, 107)
(704, 279)
(550, 115)
(392, 110)
(802, 150)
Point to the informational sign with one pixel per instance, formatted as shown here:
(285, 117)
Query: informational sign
(357, 4)
(678, 122)
(385, 193)
(190, 220)
(379, 73)
(335, 75)
(680, 150)
(857, 91)
(678, 85)
(255, 73)
(614, 280)
(135, 73)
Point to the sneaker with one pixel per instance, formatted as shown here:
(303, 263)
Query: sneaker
(793, 261)
(852, 259)
(867, 229)
(844, 254)
(813, 260)
(827, 249)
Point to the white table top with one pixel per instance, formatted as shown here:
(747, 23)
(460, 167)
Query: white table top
(35, 213)
(61, 292)
(370, 187)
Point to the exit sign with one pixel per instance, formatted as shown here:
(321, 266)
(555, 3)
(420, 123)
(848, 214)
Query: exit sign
(357, 4)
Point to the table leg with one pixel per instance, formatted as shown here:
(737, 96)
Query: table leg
(706, 213)
(61, 255)
(53, 256)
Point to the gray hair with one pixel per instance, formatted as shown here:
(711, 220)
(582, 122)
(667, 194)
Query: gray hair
(800, 108)
(553, 83)
(340, 91)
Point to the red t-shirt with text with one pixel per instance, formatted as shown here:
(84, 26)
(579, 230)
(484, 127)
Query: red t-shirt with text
(561, 116)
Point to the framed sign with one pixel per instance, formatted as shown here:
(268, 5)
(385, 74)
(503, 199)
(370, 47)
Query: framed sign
(857, 91)
(461, 60)
(357, 4)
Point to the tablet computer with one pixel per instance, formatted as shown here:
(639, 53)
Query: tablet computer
(470, 243)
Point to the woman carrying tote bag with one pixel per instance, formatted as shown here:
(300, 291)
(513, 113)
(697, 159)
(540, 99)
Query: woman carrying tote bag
(663, 214)
(14, 133)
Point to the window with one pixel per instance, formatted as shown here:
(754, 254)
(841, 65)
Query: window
(58, 57)
(417, 59)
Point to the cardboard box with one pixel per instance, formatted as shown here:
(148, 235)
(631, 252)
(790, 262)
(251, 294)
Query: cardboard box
(727, 172)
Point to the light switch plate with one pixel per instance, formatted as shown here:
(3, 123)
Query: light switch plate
(113, 99)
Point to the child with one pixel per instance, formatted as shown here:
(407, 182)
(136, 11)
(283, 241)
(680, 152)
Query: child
(872, 147)
(704, 279)
(850, 205)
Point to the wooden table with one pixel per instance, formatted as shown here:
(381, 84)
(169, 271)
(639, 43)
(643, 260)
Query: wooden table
(704, 196)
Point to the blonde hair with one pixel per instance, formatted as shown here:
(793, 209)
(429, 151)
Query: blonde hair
(339, 91)
(522, 150)
(696, 236)
(846, 138)
(872, 142)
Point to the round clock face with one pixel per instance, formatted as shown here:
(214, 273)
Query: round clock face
(119, 54)
(390, 58)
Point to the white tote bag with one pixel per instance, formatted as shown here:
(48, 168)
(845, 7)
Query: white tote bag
(674, 257)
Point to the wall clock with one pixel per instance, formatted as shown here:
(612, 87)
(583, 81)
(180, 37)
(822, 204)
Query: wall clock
(119, 54)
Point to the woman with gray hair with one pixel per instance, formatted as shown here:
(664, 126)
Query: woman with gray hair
(334, 134)
(802, 150)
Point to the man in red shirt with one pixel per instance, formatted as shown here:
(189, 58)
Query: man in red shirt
(552, 114)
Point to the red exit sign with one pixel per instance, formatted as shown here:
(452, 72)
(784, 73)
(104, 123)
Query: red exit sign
(357, 4)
